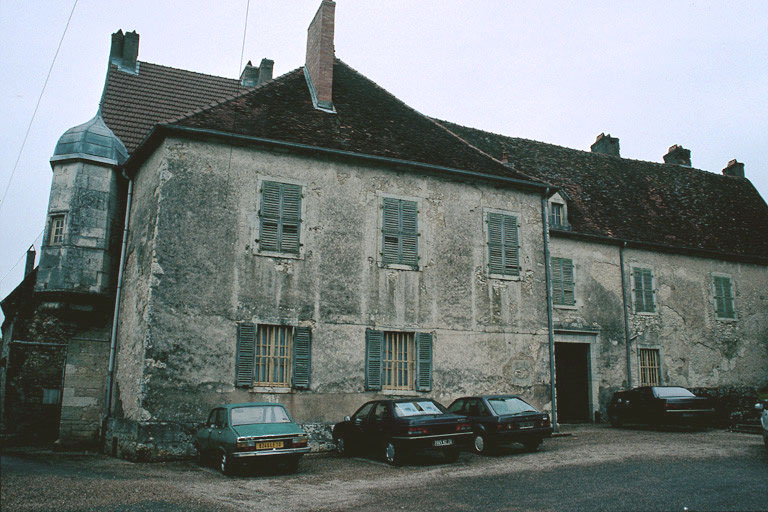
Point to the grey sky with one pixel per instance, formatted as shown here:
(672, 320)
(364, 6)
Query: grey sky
(653, 73)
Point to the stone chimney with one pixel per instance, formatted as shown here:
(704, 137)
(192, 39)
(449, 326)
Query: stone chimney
(734, 168)
(318, 67)
(265, 71)
(606, 145)
(253, 76)
(30, 264)
(678, 155)
(124, 51)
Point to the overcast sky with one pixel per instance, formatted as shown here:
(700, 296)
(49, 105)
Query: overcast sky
(653, 73)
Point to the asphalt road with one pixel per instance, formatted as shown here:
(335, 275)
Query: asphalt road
(596, 468)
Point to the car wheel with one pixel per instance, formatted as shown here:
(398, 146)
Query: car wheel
(451, 454)
(532, 445)
(480, 444)
(391, 453)
(226, 466)
(200, 457)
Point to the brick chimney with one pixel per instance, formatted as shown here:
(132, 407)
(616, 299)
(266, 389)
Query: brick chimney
(606, 145)
(30, 263)
(678, 155)
(318, 67)
(734, 168)
(253, 76)
(124, 51)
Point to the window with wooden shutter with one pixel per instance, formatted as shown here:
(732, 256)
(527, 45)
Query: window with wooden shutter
(246, 345)
(274, 351)
(643, 290)
(724, 307)
(280, 217)
(302, 357)
(650, 369)
(503, 255)
(423, 361)
(400, 232)
(562, 281)
(374, 340)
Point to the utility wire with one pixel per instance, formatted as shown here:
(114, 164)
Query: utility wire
(39, 237)
(26, 135)
(245, 31)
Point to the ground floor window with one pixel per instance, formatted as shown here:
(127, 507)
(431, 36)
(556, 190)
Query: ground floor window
(274, 347)
(272, 356)
(397, 360)
(650, 370)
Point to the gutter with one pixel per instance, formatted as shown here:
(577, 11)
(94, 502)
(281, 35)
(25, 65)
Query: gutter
(149, 142)
(113, 337)
(550, 322)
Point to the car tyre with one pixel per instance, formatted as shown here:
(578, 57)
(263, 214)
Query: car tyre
(532, 445)
(226, 466)
(392, 453)
(480, 443)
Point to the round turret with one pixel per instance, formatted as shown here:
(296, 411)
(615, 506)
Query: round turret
(90, 141)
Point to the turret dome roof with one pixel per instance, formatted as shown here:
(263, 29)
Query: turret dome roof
(92, 140)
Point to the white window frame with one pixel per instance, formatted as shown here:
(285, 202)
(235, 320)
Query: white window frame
(559, 200)
(518, 217)
(302, 221)
(380, 196)
(52, 217)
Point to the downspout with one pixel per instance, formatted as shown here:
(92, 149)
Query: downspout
(550, 324)
(113, 338)
(626, 315)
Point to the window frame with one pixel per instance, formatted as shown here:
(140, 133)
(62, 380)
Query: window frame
(715, 276)
(635, 304)
(423, 356)
(487, 249)
(52, 218)
(382, 197)
(392, 367)
(562, 282)
(258, 224)
(658, 368)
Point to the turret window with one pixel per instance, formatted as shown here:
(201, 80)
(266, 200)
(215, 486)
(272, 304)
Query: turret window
(57, 229)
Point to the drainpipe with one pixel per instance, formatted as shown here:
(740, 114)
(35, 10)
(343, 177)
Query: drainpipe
(113, 338)
(626, 315)
(550, 324)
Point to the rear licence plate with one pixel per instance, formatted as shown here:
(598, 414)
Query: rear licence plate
(527, 424)
(268, 445)
(442, 442)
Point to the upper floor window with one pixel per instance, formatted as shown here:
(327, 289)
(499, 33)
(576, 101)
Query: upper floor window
(56, 229)
(280, 215)
(400, 233)
(503, 248)
(724, 307)
(643, 290)
(562, 281)
(272, 355)
(398, 360)
(557, 215)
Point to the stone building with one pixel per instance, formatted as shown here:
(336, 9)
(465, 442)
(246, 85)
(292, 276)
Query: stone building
(312, 240)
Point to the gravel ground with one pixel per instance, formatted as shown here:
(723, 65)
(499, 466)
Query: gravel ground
(34, 480)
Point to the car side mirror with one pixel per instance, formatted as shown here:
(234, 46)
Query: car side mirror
(346, 418)
(759, 406)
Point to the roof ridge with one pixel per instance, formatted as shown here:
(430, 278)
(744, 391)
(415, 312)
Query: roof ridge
(184, 71)
(232, 97)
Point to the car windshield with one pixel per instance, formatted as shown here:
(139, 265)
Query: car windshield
(416, 408)
(259, 414)
(671, 392)
(509, 405)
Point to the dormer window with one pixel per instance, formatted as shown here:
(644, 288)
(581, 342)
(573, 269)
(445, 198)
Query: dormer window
(558, 217)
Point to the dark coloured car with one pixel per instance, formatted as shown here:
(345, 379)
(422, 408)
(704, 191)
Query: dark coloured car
(393, 428)
(237, 433)
(660, 405)
(502, 419)
(762, 408)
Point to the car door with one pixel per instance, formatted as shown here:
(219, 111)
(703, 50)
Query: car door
(218, 431)
(379, 428)
(204, 434)
(358, 426)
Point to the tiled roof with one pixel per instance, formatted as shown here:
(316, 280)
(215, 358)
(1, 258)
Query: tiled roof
(133, 103)
(641, 201)
(368, 120)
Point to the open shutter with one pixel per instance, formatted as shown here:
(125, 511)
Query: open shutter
(495, 257)
(568, 285)
(648, 291)
(555, 266)
(511, 261)
(390, 231)
(409, 233)
(423, 361)
(638, 275)
(302, 357)
(269, 235)
(374, 341)
(290, 217)
(246, 343)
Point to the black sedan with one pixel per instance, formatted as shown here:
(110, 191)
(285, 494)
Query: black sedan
(659, 405)
(502, 419)
(392, 428)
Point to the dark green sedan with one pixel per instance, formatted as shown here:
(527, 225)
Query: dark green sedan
(238, 433)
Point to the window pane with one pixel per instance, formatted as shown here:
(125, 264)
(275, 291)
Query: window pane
(398, 365)
(274, 352)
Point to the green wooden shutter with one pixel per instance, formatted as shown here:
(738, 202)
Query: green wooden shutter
(269, 233)
(390, 231)
(723, 297)
(423, 361)
(511, 262)
(648, 291)
(302, 357)
(374, 341)
(556, 269)
(569, 298)
(409, 233)
(290, 218)
(495, 251)
(280, 217)
(503, 255)
(246, 344)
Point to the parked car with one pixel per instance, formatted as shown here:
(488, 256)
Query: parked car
(393, 428)
(237, 433)
(660, 405)
(762, 407)
(502, 419)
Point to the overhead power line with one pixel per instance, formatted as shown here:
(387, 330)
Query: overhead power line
(34, 113)
(38, 238)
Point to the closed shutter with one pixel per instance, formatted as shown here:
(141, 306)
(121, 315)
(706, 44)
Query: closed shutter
(423, 361)
(557, 281)
(503, 256)
(246, 343)
(409, 233)
(511, 266)
(400, 232)
(644, 290)
(373, 350)
(568, 285)
(302, 357)
(280, 217)
(723, 297)
(290, 218)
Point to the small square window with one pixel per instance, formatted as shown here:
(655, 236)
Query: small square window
(56, 229)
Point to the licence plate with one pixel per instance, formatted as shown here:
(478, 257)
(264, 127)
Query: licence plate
(528, 424)
(442, 442)
(266, 445)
